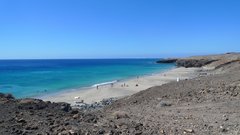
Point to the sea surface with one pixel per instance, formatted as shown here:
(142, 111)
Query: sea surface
(31, 78)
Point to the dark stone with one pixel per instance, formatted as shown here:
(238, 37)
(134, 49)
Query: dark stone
(7, 96)
(90, 118)
(164, 104)
(65, 107)
(138, 133)
(138, 126)
(74, 112)
(31, 128)
(101, 131)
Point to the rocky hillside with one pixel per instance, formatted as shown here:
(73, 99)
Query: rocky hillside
(208, 62)
(201, 106)
(33, 116)
(207, 105)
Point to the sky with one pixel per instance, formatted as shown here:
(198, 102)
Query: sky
(52, 29)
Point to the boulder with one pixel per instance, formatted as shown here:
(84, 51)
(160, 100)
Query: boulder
(34, 104)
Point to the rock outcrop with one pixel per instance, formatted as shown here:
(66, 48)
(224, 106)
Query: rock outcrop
(193, 62)
(211, 61)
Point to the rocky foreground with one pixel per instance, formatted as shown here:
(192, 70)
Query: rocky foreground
(206, 105)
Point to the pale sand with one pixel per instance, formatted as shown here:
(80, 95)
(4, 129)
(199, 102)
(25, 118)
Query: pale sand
(90, 95)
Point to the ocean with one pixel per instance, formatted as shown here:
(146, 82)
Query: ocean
(31, 78)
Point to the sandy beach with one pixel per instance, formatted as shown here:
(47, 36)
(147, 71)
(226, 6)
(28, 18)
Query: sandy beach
(123, 88)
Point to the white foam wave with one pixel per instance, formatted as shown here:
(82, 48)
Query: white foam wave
(105, 83)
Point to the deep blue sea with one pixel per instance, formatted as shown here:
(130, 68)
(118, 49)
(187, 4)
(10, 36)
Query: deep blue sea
(30, 78)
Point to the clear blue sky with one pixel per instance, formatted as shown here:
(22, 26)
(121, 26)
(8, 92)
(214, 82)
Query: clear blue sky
(117, 28)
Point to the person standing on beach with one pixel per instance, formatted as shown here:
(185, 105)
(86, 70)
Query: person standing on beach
(178, 79)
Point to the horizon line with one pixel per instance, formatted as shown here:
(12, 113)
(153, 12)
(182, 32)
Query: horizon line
(83, 58)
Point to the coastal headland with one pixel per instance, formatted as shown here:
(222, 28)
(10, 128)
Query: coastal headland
(199, 97)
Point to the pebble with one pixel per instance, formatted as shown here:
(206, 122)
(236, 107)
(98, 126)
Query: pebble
(64, 133)
(76, 116)
(74, 112)
(109, 133)
(120, 114)
(72, 132)
(164, 104)
(21, 121)
(223, 129)
(226, 119)
(188, 130)
(162, 131)
(101, 131)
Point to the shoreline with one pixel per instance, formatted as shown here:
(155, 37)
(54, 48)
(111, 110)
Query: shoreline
(107, 83)
(121, 88)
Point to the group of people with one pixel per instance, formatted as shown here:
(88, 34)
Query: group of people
(112, 84)
(123, 85)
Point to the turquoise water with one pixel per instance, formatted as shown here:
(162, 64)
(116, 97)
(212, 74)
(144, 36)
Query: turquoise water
(29, 78)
